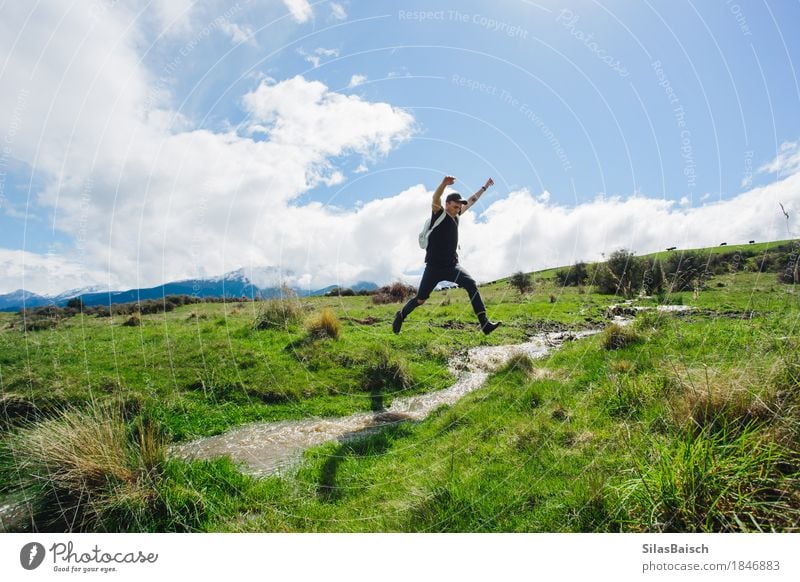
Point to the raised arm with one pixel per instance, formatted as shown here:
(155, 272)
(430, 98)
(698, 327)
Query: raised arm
(437, 195)
(474, 198)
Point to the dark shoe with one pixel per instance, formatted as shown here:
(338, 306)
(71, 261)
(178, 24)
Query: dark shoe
(398, 322)
(490, 326)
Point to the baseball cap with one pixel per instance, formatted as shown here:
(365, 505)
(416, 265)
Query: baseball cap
(455, 197)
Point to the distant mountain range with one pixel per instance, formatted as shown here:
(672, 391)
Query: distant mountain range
(235, 284)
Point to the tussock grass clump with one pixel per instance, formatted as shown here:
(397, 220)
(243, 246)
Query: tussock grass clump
(521, 362)
(712, 481)
(325, 325)
(387, 371)
(715, 408)
(15, 408)
(133, 321)
(617, 336)
(279, 314)
(718, 400)
(649, 320)
(627, 396)
(786, 372)
(86, 470)
(623, 366)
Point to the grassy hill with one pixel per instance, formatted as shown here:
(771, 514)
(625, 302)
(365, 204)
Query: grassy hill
(690, 425)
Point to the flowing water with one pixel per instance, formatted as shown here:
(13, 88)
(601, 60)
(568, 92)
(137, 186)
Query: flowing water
(265, 448)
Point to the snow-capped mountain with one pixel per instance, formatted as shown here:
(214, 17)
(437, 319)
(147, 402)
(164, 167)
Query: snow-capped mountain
(254, 283)
(11, 301)
(67, 295)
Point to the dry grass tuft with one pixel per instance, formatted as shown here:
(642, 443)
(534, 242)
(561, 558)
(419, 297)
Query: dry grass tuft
(325, 325)
(712, 398)
(279, 313)
(617, 336)
(85, 464)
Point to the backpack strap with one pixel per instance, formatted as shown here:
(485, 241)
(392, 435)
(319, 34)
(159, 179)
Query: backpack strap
(438, 221)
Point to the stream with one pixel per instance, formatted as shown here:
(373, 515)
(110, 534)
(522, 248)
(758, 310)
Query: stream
(266, 448)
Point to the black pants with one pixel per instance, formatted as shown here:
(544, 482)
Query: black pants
(434, 274)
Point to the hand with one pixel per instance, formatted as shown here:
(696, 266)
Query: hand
(489, 182)
(449, 180)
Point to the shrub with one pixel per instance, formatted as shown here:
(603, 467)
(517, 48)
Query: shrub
(340, 292)
(86, 470)
(791, 273)
(621, 273)
(395, 293)
(654, 279)
(686, 271)
(617, 336)
(574, 276)
(521, 282)
(75, 303)
(326, 324)
(38, 323)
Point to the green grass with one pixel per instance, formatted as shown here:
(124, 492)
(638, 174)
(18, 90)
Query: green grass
(756, 248)
(691, 426)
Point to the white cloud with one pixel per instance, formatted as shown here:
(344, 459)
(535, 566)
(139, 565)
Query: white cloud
(238, 34)
(151, 200)
(521, 232)
(315, 245)
(305, 114)
(46, 274)
(316, 57)
(356, 80)
(174, 16)
(338, 11)
(300, 10)
(786, 162)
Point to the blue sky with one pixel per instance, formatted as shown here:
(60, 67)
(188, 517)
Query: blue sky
(146, 142)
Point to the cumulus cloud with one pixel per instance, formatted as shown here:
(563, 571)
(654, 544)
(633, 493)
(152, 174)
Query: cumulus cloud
(315, 58)
(174, 16)
(300, 10)
(238, 34)
(306, 114)
(47, 274)
(524, 232)
(786, 162)
(338, 11)
(356, 80)
(148, 197)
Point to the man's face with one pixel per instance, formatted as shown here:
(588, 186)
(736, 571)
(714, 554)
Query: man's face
(453, 207)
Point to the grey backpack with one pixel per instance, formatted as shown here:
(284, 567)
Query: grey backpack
(427, 229)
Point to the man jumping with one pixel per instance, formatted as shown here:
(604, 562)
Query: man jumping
(441, 258)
